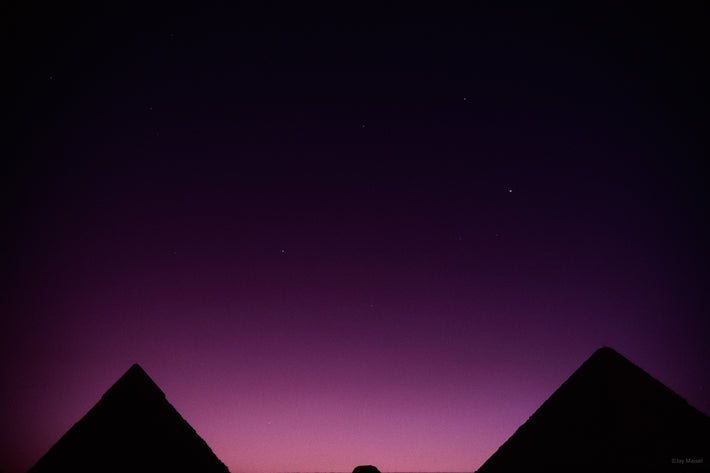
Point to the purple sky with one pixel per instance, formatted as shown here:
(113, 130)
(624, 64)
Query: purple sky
(345, 237)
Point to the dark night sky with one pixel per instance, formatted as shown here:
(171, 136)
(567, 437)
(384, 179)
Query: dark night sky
(357, 235)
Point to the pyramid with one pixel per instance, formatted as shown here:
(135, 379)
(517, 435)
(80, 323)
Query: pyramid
(132, 428)
(610, 415)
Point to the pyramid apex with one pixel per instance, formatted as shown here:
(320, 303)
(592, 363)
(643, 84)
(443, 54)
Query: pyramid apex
(135, 367)
(607, 355)
(136, 370)
(606, 350)
(135, 383)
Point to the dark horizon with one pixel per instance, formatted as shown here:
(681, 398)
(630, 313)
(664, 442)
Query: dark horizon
(348, 234)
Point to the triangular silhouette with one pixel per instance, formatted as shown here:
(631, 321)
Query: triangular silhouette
(132, 428)
(610, 415)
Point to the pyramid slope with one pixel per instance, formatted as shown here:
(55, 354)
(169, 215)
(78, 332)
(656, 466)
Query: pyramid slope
(132, 428)
(610, 415)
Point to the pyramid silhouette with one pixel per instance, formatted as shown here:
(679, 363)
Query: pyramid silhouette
(132, 428)
(610, 415)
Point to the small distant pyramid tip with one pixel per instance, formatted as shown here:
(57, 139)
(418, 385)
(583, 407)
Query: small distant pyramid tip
(366, 469)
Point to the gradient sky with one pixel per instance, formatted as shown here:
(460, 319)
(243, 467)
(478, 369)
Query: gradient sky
(347, 236)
